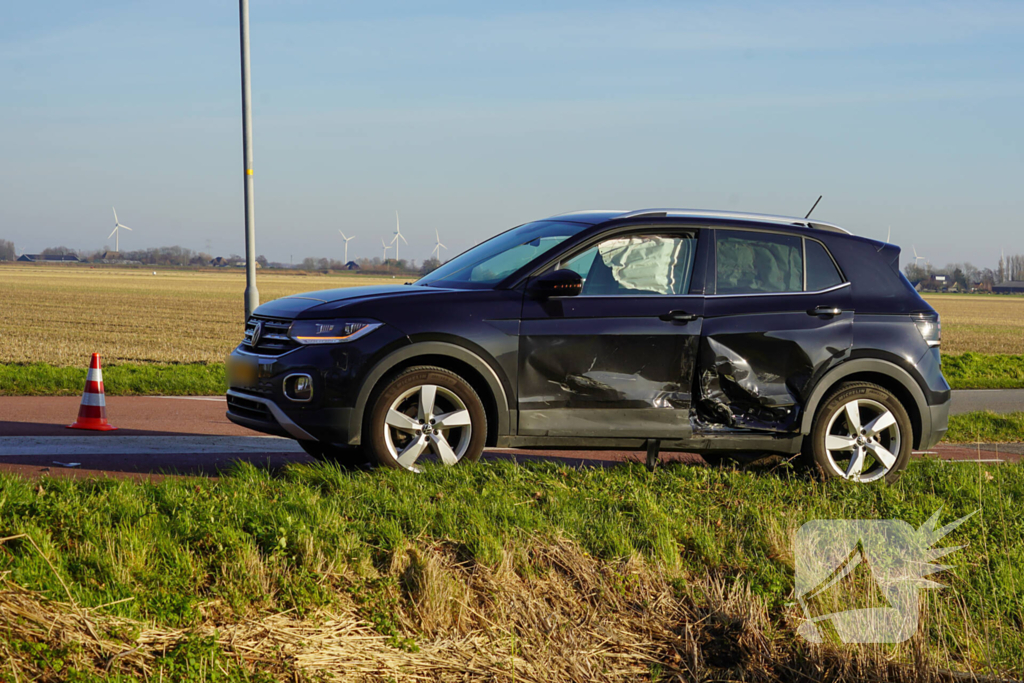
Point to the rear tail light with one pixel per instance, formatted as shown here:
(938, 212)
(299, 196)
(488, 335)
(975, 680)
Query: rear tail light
(930, 328)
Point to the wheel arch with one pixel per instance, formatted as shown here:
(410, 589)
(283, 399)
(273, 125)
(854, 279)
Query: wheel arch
(463, 362)
(883, 373)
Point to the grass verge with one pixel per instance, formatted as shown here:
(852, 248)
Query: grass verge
(41, 379)
(507, 572)
(984, 426)
(983, 371)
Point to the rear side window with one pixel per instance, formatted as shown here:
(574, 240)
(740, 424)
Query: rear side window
(821, 270)
(758, 262)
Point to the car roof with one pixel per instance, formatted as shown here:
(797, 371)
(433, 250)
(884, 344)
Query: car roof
(593, 217)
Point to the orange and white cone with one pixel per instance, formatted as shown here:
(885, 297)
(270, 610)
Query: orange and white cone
(93, 412)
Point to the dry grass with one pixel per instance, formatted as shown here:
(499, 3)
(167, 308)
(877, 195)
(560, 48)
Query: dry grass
(60, 315)
(574, 619)
(979, 323)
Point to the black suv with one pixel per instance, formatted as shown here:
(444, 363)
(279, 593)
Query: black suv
(709, 332)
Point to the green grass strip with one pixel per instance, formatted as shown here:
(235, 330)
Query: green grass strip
(984, 371)
(984, 426)
(40, 379)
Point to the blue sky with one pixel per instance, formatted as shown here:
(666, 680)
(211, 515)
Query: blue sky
(470, 117)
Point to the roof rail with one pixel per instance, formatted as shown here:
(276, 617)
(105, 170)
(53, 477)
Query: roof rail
(739, 215)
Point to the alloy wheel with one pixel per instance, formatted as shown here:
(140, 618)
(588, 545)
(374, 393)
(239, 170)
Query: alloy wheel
(427, 417)
(862, 440)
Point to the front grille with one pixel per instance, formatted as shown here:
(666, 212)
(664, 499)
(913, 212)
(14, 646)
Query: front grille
(273, 337)
(254, 410)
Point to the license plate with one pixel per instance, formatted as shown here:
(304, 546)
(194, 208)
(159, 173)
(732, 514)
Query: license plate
(242, 373)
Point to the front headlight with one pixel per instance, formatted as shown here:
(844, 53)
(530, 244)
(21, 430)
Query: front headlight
(329, 331)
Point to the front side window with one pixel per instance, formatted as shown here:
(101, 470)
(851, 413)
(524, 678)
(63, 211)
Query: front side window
(750, 262)
(492, 261)
(633, 265)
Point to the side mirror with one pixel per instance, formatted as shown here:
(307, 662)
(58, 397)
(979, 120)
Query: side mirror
(556, 283)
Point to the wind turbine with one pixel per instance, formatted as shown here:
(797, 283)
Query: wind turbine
(346, 245)
(438, 247)
(115, 234)
(386, 247)
(398, 233)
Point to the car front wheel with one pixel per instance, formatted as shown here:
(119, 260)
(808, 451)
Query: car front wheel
(426, 411)
(861, 433)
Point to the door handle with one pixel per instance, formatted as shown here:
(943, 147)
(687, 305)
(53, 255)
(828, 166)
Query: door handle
(825, 310)
(677, 317)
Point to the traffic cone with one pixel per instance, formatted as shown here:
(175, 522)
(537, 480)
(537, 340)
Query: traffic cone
(93, 412)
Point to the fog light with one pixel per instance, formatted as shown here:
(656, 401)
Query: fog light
(298, 387)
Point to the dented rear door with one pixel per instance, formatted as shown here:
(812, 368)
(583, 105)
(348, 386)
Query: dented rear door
(762, 352)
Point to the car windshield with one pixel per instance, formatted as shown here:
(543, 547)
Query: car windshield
(490, 262)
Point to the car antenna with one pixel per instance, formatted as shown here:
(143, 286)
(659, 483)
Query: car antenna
(813, 207)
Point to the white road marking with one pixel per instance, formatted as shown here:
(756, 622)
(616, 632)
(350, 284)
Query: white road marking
(135, 445)
(972, 460)
(190, 398)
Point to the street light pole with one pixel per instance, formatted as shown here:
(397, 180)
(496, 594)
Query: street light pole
(252, 295)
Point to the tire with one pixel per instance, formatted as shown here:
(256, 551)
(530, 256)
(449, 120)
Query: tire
(340, 455)
(882, 437)
(398, 433)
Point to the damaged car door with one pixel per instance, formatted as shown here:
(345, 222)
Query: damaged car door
(617, 359)
(777, 317)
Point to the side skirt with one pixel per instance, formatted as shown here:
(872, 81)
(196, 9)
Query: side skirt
(721, 444)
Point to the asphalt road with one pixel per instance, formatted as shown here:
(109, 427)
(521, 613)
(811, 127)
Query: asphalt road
(996, 400)
(175, 436)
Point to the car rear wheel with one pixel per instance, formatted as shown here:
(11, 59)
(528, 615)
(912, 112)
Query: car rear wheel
(861, 433)
(426, 411)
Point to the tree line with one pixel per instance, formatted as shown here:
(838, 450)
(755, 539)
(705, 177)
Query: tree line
(371, 265)
(181, 257)
(1011, 267)
(967, 275)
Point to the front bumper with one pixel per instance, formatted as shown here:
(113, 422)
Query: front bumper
(337, 372)
(263, 415)
(327, 424)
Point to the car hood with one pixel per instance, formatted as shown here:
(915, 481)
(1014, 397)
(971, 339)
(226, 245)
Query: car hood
(310, 304)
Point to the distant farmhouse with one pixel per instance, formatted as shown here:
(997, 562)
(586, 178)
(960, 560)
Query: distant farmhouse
(979, 285)
(1010, 287)
(352, 265)
(938, 283)
(221, 262)
(115, 258)
(58, 258)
